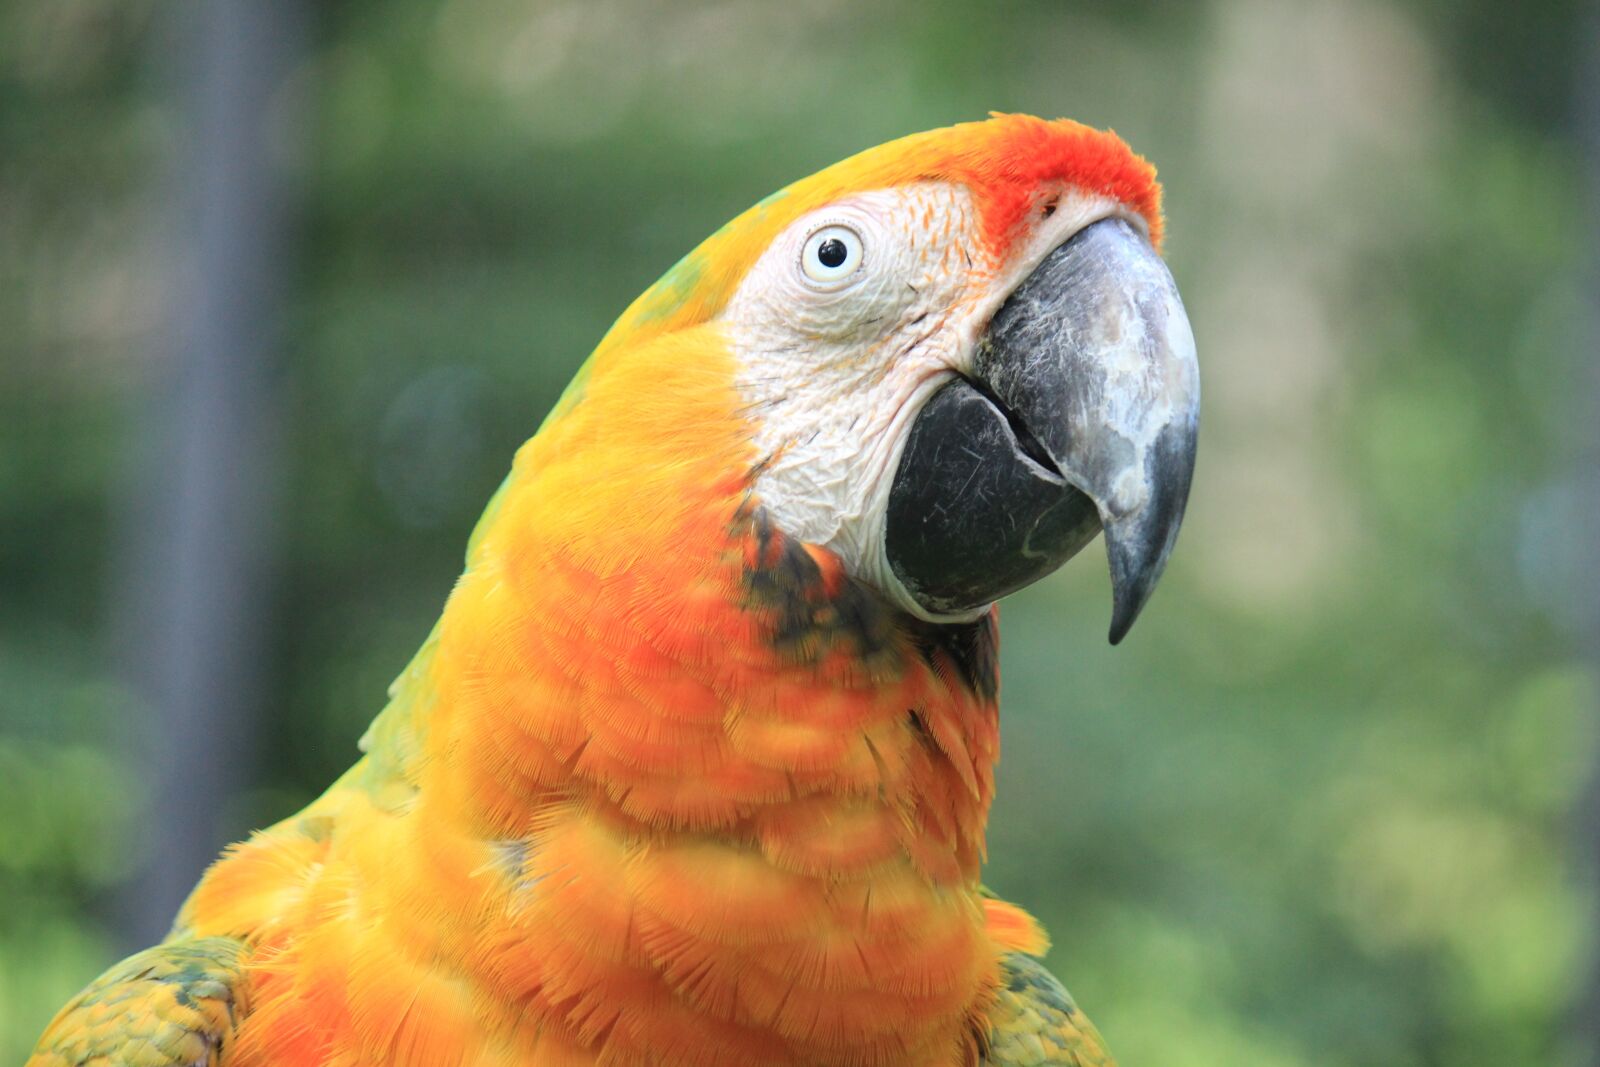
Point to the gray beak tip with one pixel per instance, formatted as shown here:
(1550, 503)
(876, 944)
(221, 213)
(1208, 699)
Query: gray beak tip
(1132, 581)
(1137, 546)
(1121, 623)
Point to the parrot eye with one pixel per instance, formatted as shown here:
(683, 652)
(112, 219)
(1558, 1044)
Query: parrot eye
(831, 255)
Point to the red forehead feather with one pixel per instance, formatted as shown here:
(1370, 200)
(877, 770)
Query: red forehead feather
(1010, 159)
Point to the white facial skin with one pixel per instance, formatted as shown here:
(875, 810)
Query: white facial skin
(838, 356)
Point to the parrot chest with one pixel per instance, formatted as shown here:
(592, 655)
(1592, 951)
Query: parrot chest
(825, 929)
(707, 803)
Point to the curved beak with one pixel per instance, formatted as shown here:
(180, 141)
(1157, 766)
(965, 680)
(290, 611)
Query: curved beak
(1081, 413)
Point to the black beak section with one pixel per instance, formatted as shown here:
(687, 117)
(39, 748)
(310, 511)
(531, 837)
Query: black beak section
(1080, 414)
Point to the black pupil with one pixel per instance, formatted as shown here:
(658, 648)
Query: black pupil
(832, 252)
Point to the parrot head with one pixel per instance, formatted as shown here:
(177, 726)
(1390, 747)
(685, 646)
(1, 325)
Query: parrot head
(960, 358)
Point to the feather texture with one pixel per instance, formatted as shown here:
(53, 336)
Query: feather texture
(664, 786)
(176, 1005)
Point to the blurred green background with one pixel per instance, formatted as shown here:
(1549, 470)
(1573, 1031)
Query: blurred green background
(1326, 806)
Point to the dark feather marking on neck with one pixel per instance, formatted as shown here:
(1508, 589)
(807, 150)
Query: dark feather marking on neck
(808, 619)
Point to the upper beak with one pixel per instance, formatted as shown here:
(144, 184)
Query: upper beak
(1081, 413)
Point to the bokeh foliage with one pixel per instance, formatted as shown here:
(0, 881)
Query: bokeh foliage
(1314, 812)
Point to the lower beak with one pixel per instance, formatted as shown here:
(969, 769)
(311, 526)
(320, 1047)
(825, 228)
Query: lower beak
(1081, 413)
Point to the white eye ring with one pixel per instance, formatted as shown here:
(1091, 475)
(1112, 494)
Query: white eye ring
(831, 256)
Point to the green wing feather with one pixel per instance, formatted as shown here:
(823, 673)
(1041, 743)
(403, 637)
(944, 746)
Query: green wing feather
(1034, 1022)
(175, 1005)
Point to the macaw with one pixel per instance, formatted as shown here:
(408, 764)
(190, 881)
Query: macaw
(695, 767)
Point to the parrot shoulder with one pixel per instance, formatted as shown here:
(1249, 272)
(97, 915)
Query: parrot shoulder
(174, 1005)
(1034, 1023)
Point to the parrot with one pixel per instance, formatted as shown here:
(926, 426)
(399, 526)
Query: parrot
(695, 766)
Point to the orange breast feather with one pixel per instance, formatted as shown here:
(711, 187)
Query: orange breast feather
(665, 788)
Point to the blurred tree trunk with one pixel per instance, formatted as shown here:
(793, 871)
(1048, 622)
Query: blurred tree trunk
(197, 530)
(1588, 821)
